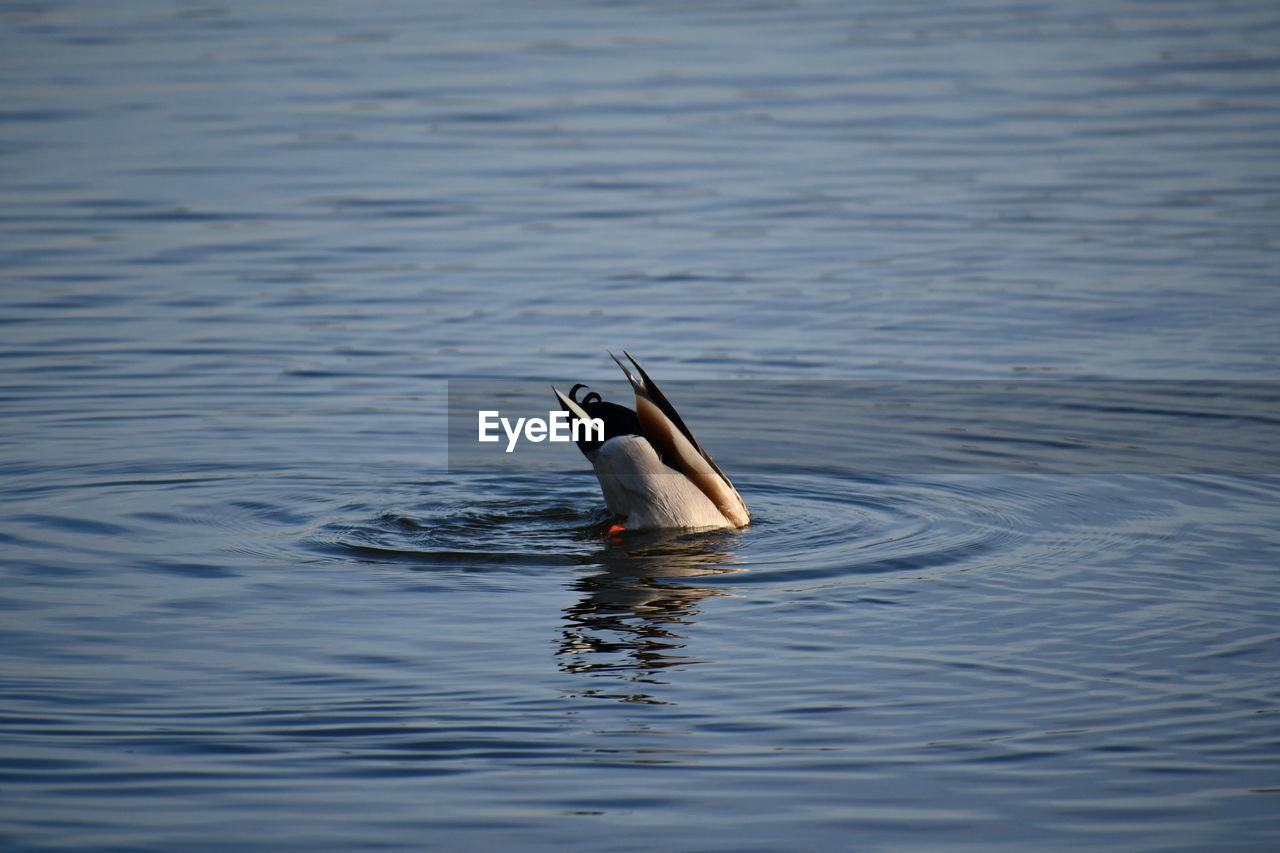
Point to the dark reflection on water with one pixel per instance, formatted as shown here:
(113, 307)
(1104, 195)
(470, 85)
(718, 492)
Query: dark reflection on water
(629, 620)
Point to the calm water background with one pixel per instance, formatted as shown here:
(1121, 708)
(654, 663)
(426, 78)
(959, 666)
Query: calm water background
(246, 247)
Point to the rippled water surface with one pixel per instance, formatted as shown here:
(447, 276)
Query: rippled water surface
(248, 250)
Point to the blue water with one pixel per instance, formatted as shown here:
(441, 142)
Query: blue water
(247, 249)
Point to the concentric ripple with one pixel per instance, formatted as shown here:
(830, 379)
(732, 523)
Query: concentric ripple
(805, 527)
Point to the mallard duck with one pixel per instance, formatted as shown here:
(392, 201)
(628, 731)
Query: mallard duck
(651, 469)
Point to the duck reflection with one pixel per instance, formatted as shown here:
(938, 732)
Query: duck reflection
(629, 620)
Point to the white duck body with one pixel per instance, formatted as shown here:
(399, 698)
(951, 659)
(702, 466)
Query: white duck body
(645, 493)
(651, 469)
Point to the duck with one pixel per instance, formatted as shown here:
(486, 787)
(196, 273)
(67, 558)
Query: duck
(652, 471)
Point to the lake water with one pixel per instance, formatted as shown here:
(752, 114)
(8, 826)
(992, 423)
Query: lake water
(248, 250)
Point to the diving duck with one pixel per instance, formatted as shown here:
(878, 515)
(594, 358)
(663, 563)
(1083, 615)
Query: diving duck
(651, 469)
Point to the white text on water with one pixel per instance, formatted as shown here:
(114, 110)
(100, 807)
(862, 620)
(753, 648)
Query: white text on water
(555, 428)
